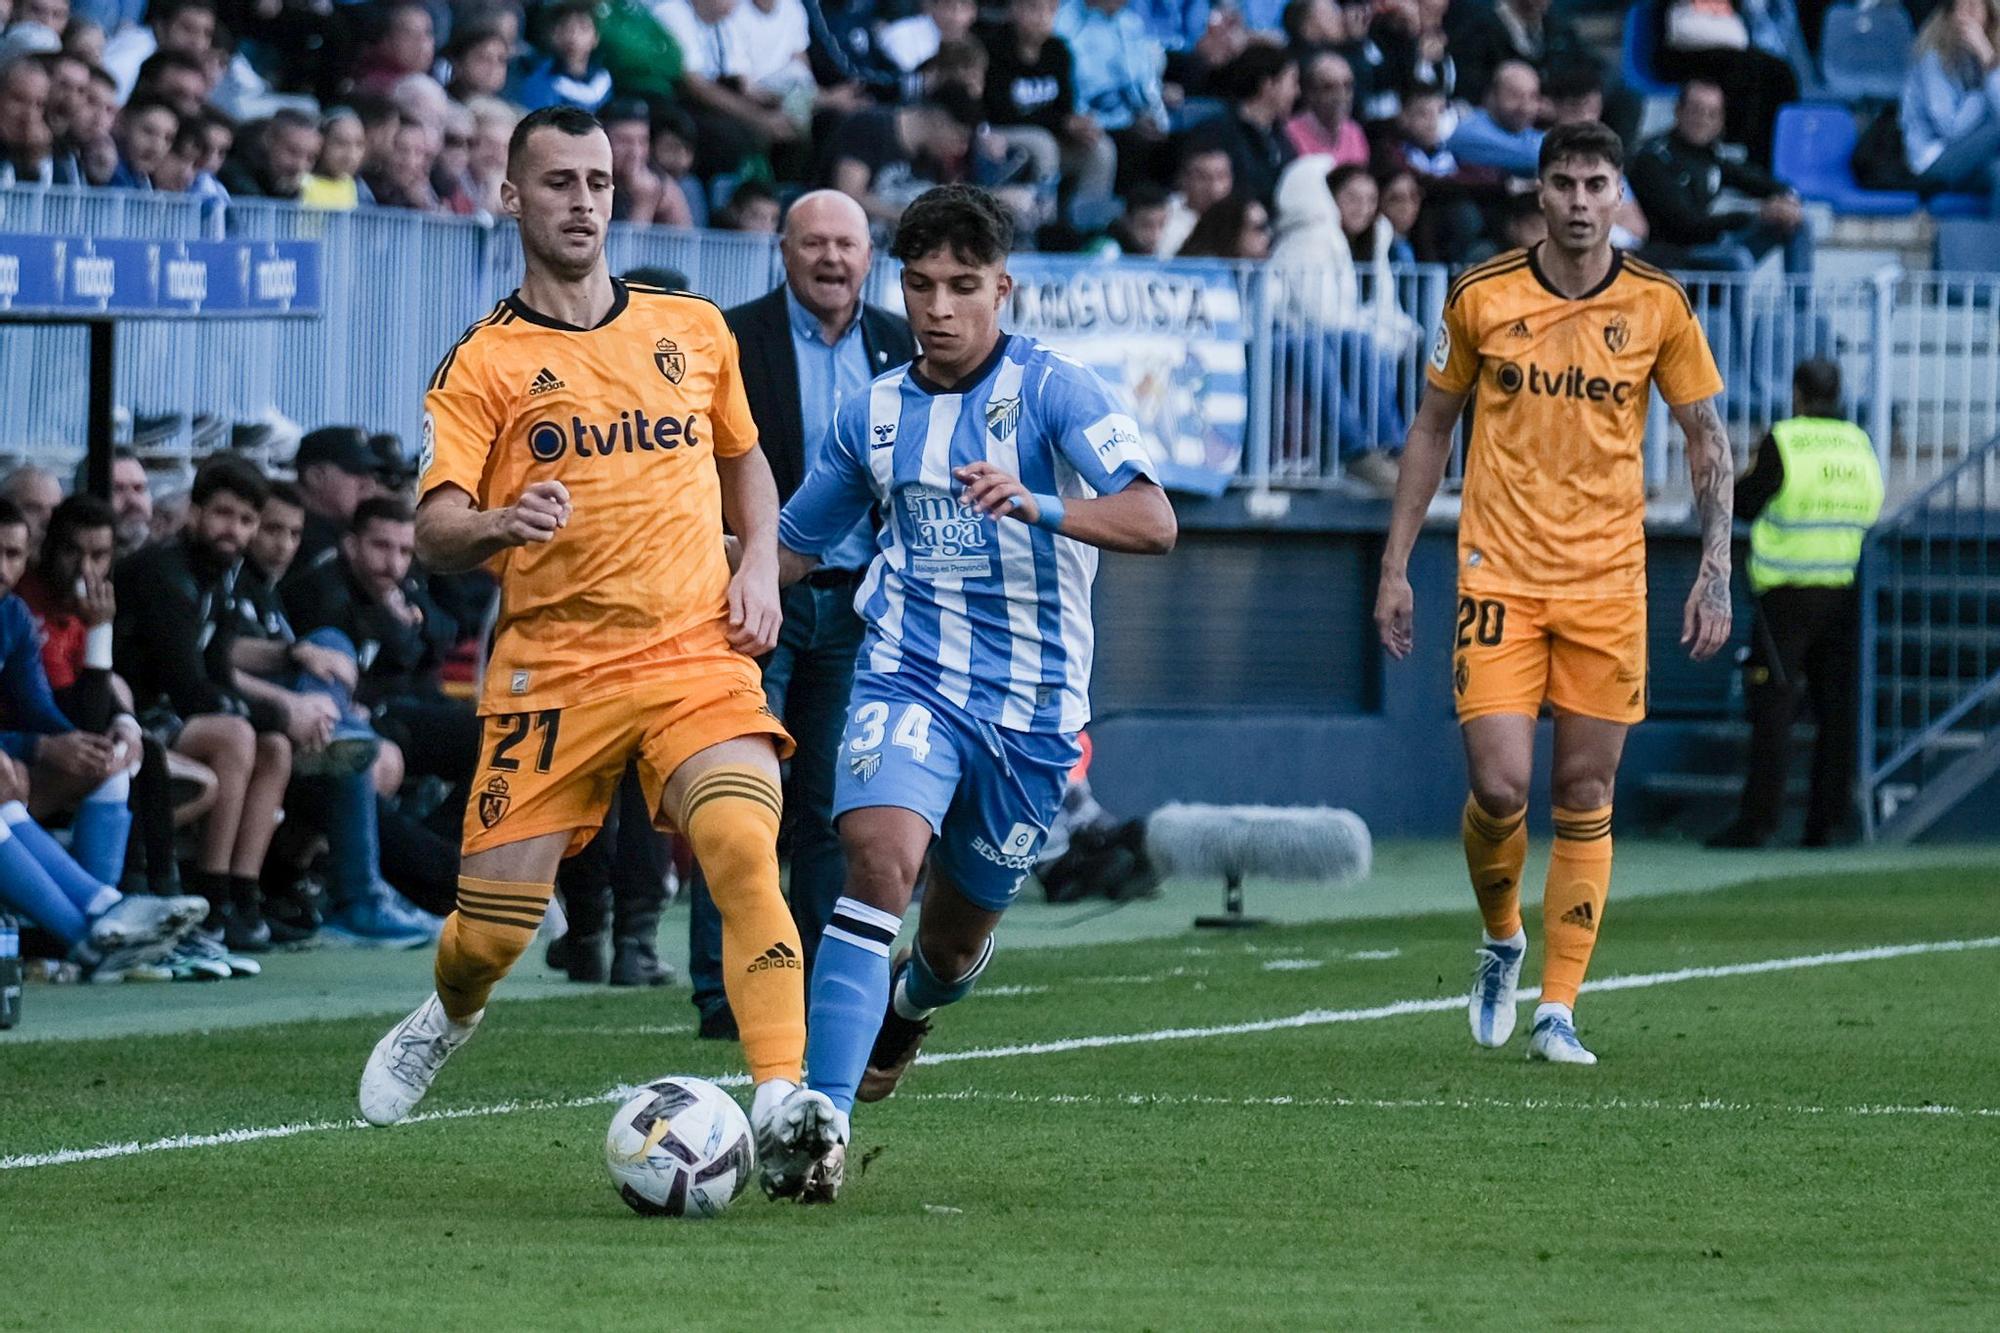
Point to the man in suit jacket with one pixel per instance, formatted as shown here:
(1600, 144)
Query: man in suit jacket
(806, 347)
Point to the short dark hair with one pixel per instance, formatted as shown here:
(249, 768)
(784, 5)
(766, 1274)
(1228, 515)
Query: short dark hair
(569, 120)
(1816, 383)
(1146, 194)
(373, 109)
(1572, 80)
(160, 62)
(287, 493)
(141, 103)
(1258, 64)
(73, 515)
(11, 515)
(232, 473)
(961, 218)
(465, 36)
(162, 12)
(1338, 178)
(288, 118)
(380, 509)
(1583, 140)
(99, 74)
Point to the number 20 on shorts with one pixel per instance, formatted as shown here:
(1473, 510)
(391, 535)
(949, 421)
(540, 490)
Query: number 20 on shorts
(912, 733)
(1481, 621)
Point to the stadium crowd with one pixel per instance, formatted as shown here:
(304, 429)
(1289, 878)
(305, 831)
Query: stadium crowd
(239, 705)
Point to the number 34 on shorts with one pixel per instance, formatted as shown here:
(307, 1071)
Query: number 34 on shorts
(988, 793)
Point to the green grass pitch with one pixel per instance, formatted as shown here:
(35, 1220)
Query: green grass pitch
(1808, 1147)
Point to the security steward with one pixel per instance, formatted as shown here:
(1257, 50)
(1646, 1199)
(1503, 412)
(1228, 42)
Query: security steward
(1814, 491)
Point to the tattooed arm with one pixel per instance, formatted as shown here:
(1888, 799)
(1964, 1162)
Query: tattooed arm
(1705, 622)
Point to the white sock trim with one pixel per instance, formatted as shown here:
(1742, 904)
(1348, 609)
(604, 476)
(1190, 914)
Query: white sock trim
(873, 916)
(106, 899)
(1552, 1009)
(899, 999)
(834, 932)
(97, 647)
(14, 813)
(114, 790)
(1518, 940)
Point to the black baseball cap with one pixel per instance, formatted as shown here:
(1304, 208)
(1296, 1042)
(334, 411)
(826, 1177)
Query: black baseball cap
(346, 447)
(392, 465)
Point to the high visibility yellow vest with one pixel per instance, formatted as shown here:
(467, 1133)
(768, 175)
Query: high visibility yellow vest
(1810, 534)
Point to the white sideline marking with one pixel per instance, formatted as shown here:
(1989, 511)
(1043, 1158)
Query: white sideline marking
(1441, 1003)
(1706, 1105)
(1310, 1018)
(1293, 964)
(1006, 992)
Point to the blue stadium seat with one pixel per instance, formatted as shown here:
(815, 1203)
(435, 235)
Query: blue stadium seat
(1965, 246)
(1813, 147)
(1864, 51)
(1636, 53)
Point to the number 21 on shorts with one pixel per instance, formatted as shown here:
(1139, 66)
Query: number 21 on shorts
(912, 732)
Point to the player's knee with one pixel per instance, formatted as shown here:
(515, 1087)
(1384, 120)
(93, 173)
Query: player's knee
(1581, 789)
(881, 874)
(389, 769)
(231, 744)
(1500, 795)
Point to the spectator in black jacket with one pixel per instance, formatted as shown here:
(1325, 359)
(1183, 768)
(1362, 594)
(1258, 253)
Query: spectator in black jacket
(336, 471)
(1680, 179)
(1262, 85)
(273, 158)
(176, 626)
(400, 636)
(1031, 103)
(1527, 31)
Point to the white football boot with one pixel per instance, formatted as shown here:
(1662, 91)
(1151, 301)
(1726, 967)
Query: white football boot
(1496, 976)
(404, 1062)
(801, 1142)
(1554, 1037)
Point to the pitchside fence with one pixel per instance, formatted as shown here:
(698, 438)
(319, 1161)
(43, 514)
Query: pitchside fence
(1921, 352)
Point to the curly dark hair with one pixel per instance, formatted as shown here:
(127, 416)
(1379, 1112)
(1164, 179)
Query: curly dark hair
(962, 218)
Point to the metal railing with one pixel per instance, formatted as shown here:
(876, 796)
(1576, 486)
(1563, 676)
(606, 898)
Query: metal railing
(1930, 649)
(1921, 353)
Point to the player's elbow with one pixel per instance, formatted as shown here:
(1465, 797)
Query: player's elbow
(1161, 528)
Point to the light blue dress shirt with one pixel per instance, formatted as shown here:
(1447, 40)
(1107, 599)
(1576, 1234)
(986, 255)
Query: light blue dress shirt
(829, 375)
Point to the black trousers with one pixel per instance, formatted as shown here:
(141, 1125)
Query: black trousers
(1805, 644)
(624, 870)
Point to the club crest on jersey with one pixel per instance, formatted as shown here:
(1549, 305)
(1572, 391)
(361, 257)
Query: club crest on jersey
(1002, 416)
(865, 766)
(493, 802)
(671, 361)
(1617, 333)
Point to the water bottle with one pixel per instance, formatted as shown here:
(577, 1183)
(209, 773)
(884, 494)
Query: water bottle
(10, 971)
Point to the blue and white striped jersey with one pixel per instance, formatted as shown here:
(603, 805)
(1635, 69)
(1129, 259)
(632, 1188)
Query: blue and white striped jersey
(991, 613)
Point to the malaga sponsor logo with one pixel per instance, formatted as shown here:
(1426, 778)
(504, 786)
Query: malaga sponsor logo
(632, 432)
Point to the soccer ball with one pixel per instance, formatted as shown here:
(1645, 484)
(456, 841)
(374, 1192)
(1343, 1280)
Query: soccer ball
(680, 1148)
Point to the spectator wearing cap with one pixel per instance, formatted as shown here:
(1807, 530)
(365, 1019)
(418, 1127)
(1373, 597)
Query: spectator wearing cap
(336, 472)
(183, 26)
(565, 71)
(1120, 81)
(885, 157)
(1262, 85)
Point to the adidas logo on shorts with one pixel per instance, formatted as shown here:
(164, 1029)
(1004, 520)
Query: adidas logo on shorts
(545, 382)
(778, 955)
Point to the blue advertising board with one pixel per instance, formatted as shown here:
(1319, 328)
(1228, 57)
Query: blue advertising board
(83, 277)
(1172, 338)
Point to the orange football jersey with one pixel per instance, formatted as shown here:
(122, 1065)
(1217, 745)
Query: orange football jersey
(1555, 491)
(630, 417)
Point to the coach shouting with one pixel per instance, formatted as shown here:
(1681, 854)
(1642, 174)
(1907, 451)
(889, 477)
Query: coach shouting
(807, 347)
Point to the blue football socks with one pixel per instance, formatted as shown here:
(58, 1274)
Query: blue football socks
(850, 989)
